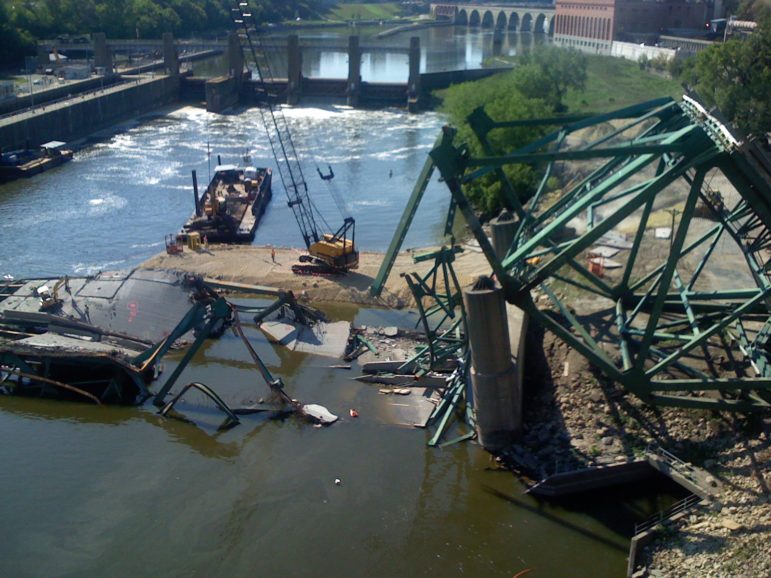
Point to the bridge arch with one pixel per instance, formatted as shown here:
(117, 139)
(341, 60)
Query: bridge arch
(462, 17)
(527, 23)
(500, 22)
(514, 22)
(488, 21)
(550, 26)
(474, 19)
(539, 27)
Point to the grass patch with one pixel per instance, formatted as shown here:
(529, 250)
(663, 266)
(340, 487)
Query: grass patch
(615, 82)
(384, 11)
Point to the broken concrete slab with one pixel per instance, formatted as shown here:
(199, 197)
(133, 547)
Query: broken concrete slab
(604, 251)
(405, 380)
(326, 339)
(386, 366)
(409, 410)
(280, 332)
(607, 263)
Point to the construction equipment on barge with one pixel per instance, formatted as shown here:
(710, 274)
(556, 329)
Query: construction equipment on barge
(28, 162)
(231, 206)
(328, 253)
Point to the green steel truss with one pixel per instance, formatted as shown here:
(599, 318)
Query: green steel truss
(439, 300)
(683, 321)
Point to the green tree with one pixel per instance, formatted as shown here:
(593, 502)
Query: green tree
(502, 99)
(15, 42)
(549, 72)
(735, 76)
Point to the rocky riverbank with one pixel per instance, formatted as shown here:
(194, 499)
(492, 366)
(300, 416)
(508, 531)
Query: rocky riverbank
(575, 418)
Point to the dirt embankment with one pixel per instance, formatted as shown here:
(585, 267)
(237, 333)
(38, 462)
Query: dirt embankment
(254, 265)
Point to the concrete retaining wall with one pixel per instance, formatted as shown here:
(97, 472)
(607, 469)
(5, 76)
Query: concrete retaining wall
(635, 51)
(82, 116)
(56, 92)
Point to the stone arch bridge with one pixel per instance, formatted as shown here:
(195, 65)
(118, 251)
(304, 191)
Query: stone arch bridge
(519, 17)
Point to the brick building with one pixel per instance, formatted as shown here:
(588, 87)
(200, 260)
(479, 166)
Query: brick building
(592, 25)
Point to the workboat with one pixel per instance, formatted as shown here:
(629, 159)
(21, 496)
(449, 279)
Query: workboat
(28, 162)
(230, 208)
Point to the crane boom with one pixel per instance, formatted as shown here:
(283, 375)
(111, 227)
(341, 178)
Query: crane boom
(334, 249)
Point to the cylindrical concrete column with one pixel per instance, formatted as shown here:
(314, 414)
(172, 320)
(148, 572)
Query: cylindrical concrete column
(497, 391)
(503, 228)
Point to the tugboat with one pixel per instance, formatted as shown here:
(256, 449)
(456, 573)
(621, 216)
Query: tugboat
(28, 162)
(230, 208)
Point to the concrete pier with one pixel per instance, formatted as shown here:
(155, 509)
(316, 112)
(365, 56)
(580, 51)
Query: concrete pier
(495, 380)
(503, 228)
(294, 70)
(413, 81)
(102, 54)
(170, 56)
(353, 90)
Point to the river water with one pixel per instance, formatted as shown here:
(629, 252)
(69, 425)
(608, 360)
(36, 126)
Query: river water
(93, 491)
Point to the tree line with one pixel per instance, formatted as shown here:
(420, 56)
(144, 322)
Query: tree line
(23, 22)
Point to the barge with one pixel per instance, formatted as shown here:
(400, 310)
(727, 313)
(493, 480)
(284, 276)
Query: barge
(232, 205)
(28, 162)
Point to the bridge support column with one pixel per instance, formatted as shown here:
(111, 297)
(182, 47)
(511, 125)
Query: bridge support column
(102, 54)
(413, 82)
(294, 69)
(170, 57)
(503, 228)
(353, 90)
(495, 381)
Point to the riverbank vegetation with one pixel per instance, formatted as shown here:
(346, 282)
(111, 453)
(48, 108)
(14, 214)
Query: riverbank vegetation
(23, 23)
(546, 82)
(345, 11)
(735, 76)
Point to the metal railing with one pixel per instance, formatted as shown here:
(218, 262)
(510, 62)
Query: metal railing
(663, 516)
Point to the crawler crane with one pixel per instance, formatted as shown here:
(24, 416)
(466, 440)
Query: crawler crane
(328, 252)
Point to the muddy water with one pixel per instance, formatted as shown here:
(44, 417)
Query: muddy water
(91, 491)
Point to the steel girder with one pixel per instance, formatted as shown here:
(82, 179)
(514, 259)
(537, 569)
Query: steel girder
(439, 300)
(688, 328)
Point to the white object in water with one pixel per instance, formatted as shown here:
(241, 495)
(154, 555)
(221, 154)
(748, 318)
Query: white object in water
(319, 413)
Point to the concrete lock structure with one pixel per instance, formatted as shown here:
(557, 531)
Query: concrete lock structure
(495, 383)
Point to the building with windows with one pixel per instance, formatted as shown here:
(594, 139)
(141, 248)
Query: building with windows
(593, 25)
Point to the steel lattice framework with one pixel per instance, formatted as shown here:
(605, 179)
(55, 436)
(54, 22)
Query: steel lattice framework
(682, 322)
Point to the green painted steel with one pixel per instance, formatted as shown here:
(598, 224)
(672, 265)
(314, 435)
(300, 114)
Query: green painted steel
(686, 324)
(439, 301)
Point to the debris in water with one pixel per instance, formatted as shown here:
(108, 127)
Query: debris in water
(318, 413)
(354, 413)
(338, 482)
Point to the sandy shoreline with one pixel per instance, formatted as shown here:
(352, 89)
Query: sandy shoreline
(253, 265)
